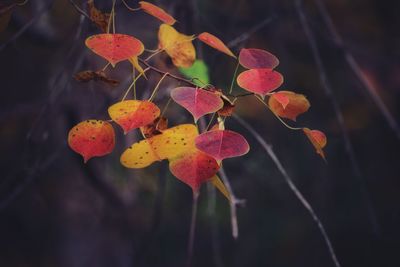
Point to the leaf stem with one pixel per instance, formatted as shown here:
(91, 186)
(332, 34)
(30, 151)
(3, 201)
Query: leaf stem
(192, 229)
(234, 77)
(133, 84)
(157, 86)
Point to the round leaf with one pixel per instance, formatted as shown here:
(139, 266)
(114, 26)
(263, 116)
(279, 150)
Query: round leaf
(197, 101)
(252, 58)
(287, 104)
(222, 144)
(92, 138)
(115, 47)
(260, 81)
(132, 114)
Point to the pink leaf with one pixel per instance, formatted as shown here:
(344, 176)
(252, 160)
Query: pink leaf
(197, 101)
(222, 144)
(253, 58)
(260, 81)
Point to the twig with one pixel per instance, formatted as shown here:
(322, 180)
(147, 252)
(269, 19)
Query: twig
(192, 229)
(292, 186)
(232, 204)
(247, 34)
(355, 67)
(80, 10)
(339, 115)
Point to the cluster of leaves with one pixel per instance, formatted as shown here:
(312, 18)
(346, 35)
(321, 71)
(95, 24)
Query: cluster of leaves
(194, 158)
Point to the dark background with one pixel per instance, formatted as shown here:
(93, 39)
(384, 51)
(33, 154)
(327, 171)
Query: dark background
(56, 211)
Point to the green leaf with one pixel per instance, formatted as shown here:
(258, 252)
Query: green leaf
(198, 71)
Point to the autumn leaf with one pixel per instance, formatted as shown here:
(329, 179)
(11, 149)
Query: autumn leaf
(216, 181)
(215, 43)
(156, 127)
(157, 12)
(89, 75)
(317, 139)
(135, 63)
(260, 81)
(197, 101)
(115, 47)
(177, 45)
(222, 144)
(198, 72)
(132, 114)
(227, 109)
(99, 18)
(92, 138)
(287, 104)
(252, 58)
(175, 144)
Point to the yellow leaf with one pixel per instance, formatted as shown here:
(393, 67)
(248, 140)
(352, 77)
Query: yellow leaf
(216, 181)
(177, 45)
(135, 63)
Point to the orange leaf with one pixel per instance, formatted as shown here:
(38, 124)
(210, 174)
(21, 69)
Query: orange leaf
(317, 139)
(92, 138)
(157, 12)
(177, 45)
(287, 104)
(215, 43)
(131, 114)
(260, 81)
(115, 47)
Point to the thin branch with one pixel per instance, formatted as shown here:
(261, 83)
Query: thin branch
(339, 115)
(80, 10)
(246, 35)
(268, 148)
(192, 229)
(355, 67)
(233, 203)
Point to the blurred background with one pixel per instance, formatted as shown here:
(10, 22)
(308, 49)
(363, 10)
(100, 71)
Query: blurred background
(57, 211)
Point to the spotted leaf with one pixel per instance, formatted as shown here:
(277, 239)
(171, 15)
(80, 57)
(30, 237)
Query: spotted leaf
(222, 144)
(132, 114)
(92, 138)
(197, 101)
(115, 47)
(260, 81)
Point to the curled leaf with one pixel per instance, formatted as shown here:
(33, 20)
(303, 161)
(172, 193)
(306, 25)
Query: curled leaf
(157, 12)
(197, 101)
(252, 58)
(99, 18)
(260, 81)
(92, 138)
(132, 114)
(89, 75)
(222, 144)
(156, 127)
(115, 47)
(317, 139)
(215, 43)
(177, 45)
(227, 109)
(287, 104)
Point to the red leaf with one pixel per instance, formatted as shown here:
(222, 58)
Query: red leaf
(222, 144)
(260, 81)
(92, 138)
(197, 101)
(253, 58)
(132, 114)
(215, 43)
(157, 12)
(317, 139)
(287, 104)
(194, 168)
(115, 47)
